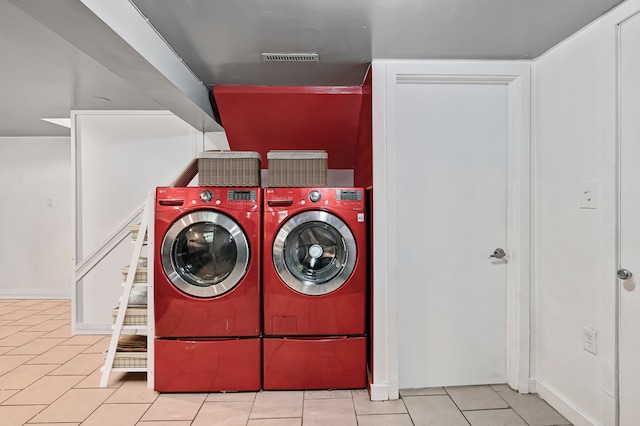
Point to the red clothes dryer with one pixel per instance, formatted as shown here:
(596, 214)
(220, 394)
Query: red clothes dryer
(207, 288)
(314, 288)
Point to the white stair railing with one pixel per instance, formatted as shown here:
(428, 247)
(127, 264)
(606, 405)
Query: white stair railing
(145, 232)
(145, 214)
(111, 242)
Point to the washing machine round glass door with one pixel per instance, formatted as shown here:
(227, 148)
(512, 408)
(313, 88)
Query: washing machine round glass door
(205, 254)
(314, 253)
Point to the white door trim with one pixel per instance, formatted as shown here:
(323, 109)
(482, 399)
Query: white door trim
(618, 244)
(386, 76)
(619, 183)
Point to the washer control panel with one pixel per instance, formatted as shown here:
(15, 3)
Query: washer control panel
(242, 195)
(243, 199)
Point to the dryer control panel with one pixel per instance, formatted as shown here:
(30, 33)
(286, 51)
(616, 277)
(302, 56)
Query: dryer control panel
(294, 198)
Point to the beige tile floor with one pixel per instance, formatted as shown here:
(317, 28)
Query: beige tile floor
(49, 377)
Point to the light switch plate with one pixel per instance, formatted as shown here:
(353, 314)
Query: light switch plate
(588, 195)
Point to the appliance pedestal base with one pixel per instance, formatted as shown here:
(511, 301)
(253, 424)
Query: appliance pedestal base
(295, 363)
(207, 365)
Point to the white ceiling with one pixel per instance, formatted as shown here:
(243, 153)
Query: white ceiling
(60, 55)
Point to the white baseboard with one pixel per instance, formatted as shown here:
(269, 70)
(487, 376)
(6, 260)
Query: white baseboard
(564, 405)
(28, 293)
(89, 328)
(609, 409)
(378, 392)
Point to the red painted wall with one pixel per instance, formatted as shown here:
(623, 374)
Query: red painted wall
(363, 161)
(264, 118)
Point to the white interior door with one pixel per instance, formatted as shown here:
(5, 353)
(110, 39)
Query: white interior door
(629, 227)
(452, 215)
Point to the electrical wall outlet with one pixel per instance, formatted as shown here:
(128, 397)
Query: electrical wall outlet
(590, 340)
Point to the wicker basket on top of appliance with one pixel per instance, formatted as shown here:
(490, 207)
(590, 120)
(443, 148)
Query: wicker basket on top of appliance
(229, 168)
(302, 168)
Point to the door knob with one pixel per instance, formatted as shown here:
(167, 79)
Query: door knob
(498, 254)
(624, 274)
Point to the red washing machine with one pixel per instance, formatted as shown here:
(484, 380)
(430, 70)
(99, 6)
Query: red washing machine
(207, 289)
(314, 288)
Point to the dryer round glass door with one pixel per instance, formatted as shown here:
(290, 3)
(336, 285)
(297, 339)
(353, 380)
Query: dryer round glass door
(314, 253)
(205, 254)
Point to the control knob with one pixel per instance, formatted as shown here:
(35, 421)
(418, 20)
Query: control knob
(206, 196)
(315, 196)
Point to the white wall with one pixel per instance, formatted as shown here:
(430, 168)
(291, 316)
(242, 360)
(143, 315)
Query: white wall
(122, 157)
(36, 239)
(575, 142)
(568, 267)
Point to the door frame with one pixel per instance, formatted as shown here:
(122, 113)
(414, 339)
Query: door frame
(387, 75)
(618, 203)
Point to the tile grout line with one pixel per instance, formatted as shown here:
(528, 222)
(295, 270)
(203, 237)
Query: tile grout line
(512, 409)
(458, 407)
(200, 409)
(253, 402)
(353, 404)
(408, 412)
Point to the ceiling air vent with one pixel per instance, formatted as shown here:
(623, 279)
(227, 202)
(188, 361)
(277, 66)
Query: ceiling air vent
(290, 57)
